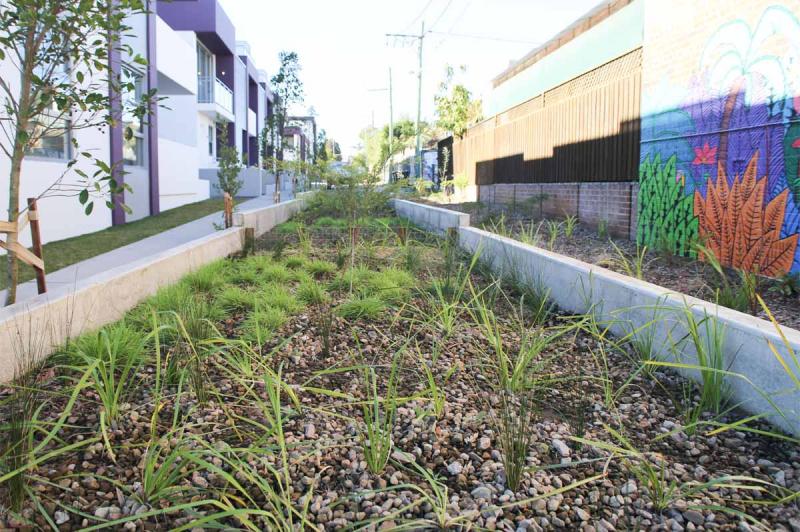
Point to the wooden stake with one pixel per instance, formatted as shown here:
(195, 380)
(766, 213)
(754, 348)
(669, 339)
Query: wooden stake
(228, 210)
(36, 237)
(249, 241)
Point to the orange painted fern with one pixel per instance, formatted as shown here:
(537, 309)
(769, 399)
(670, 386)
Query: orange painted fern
(740, 227)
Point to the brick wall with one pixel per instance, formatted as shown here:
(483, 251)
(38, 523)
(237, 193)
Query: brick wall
(590, 202)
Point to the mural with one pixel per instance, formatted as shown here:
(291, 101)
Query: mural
(722, 164)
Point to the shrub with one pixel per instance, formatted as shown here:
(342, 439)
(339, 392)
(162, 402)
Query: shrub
(295, 262)
(236, 298)
(261, 324)
(121, 341)
(327, 221)
(312, 292)
(353, 277)
(288, 228)
(319, 268)
(391, 285)
(277, 273)
(277, 296)
(208, 278)
(361, 307)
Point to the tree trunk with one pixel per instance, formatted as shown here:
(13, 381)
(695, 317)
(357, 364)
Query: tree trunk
(278, 155)
(20, 143)
(12, 263)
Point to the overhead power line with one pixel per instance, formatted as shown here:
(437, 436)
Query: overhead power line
(446, 7)
(484, 37)
(419, 15)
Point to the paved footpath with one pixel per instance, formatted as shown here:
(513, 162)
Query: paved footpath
(65, 278)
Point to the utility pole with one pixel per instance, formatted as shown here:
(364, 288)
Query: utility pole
(391, 112)
(420, 38)
(419, 104)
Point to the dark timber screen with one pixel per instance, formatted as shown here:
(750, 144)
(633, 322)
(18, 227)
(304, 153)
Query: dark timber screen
(586, 130)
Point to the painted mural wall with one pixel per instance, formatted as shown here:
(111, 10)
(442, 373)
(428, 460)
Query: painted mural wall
(720, 157)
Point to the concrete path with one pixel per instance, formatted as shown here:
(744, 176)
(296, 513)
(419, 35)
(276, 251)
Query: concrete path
(65, 278)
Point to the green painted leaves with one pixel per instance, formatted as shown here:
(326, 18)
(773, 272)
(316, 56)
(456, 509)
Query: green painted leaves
(666, 214)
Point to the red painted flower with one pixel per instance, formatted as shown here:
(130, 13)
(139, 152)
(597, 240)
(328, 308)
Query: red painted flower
(796, 143)
(705, 155)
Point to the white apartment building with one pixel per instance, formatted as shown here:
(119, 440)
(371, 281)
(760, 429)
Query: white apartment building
(213, 95)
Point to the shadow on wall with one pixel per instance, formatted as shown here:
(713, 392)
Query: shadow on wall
(611, 158)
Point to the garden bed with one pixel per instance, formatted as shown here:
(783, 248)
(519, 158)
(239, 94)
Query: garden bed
(316, 385)
(681, 274)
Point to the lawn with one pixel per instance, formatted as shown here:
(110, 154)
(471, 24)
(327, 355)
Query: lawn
(62, 253)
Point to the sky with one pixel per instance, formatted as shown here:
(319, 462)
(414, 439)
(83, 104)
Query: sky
(346, 56)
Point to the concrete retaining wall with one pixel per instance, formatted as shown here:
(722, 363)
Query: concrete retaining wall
(264, 219)
(38, 326)
(435, 219)
(629, 303)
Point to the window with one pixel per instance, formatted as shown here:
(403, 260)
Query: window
(133, 146)
(205, 75)
(50, 136)
(211, 141)
(50, 131)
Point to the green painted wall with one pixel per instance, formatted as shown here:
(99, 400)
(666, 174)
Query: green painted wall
(615, 36)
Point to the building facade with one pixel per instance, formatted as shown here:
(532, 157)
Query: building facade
(233, 99)
(673, 122)
(211, 94)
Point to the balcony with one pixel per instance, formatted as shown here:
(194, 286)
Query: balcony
(214, 98)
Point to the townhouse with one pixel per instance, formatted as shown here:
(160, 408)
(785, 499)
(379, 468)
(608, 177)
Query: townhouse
(213, 95)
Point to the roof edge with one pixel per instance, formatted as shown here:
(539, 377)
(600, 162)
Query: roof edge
(583, 24)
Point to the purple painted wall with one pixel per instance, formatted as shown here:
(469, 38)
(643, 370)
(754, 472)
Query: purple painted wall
(152, 126)
(225, 70)
(204, 17)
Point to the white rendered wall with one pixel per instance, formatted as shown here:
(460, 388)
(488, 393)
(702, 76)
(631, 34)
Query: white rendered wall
(61, 217)
(204, 159)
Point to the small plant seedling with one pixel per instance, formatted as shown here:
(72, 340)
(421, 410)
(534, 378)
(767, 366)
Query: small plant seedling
(602, 229)
(787, 285)
(553, 229)
(570, 223)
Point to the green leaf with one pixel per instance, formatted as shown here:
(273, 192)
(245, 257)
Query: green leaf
(83, 197)
(89, 208)
(79, 76)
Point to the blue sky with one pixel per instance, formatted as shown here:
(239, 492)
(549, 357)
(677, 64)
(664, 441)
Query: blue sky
(344, 51)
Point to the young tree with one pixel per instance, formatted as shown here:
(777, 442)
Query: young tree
(61, 53)
(230, 166)
(455, 108)
(322, 145)
(288, 90)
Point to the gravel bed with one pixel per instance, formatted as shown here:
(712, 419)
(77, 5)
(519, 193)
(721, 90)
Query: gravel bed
(461, 448)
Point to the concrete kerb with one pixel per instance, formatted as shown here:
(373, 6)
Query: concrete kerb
(625, 304)
(38, 326)
(435, 219)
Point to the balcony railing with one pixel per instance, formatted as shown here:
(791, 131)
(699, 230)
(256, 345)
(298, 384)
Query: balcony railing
(212, 90)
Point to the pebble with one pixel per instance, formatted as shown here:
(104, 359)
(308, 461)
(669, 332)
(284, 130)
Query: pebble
(694, 516)
(628, 488)
(583, 515)
(481, 492)
(61, 517)
(561, 448)
(484, 443)
(455, 468)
